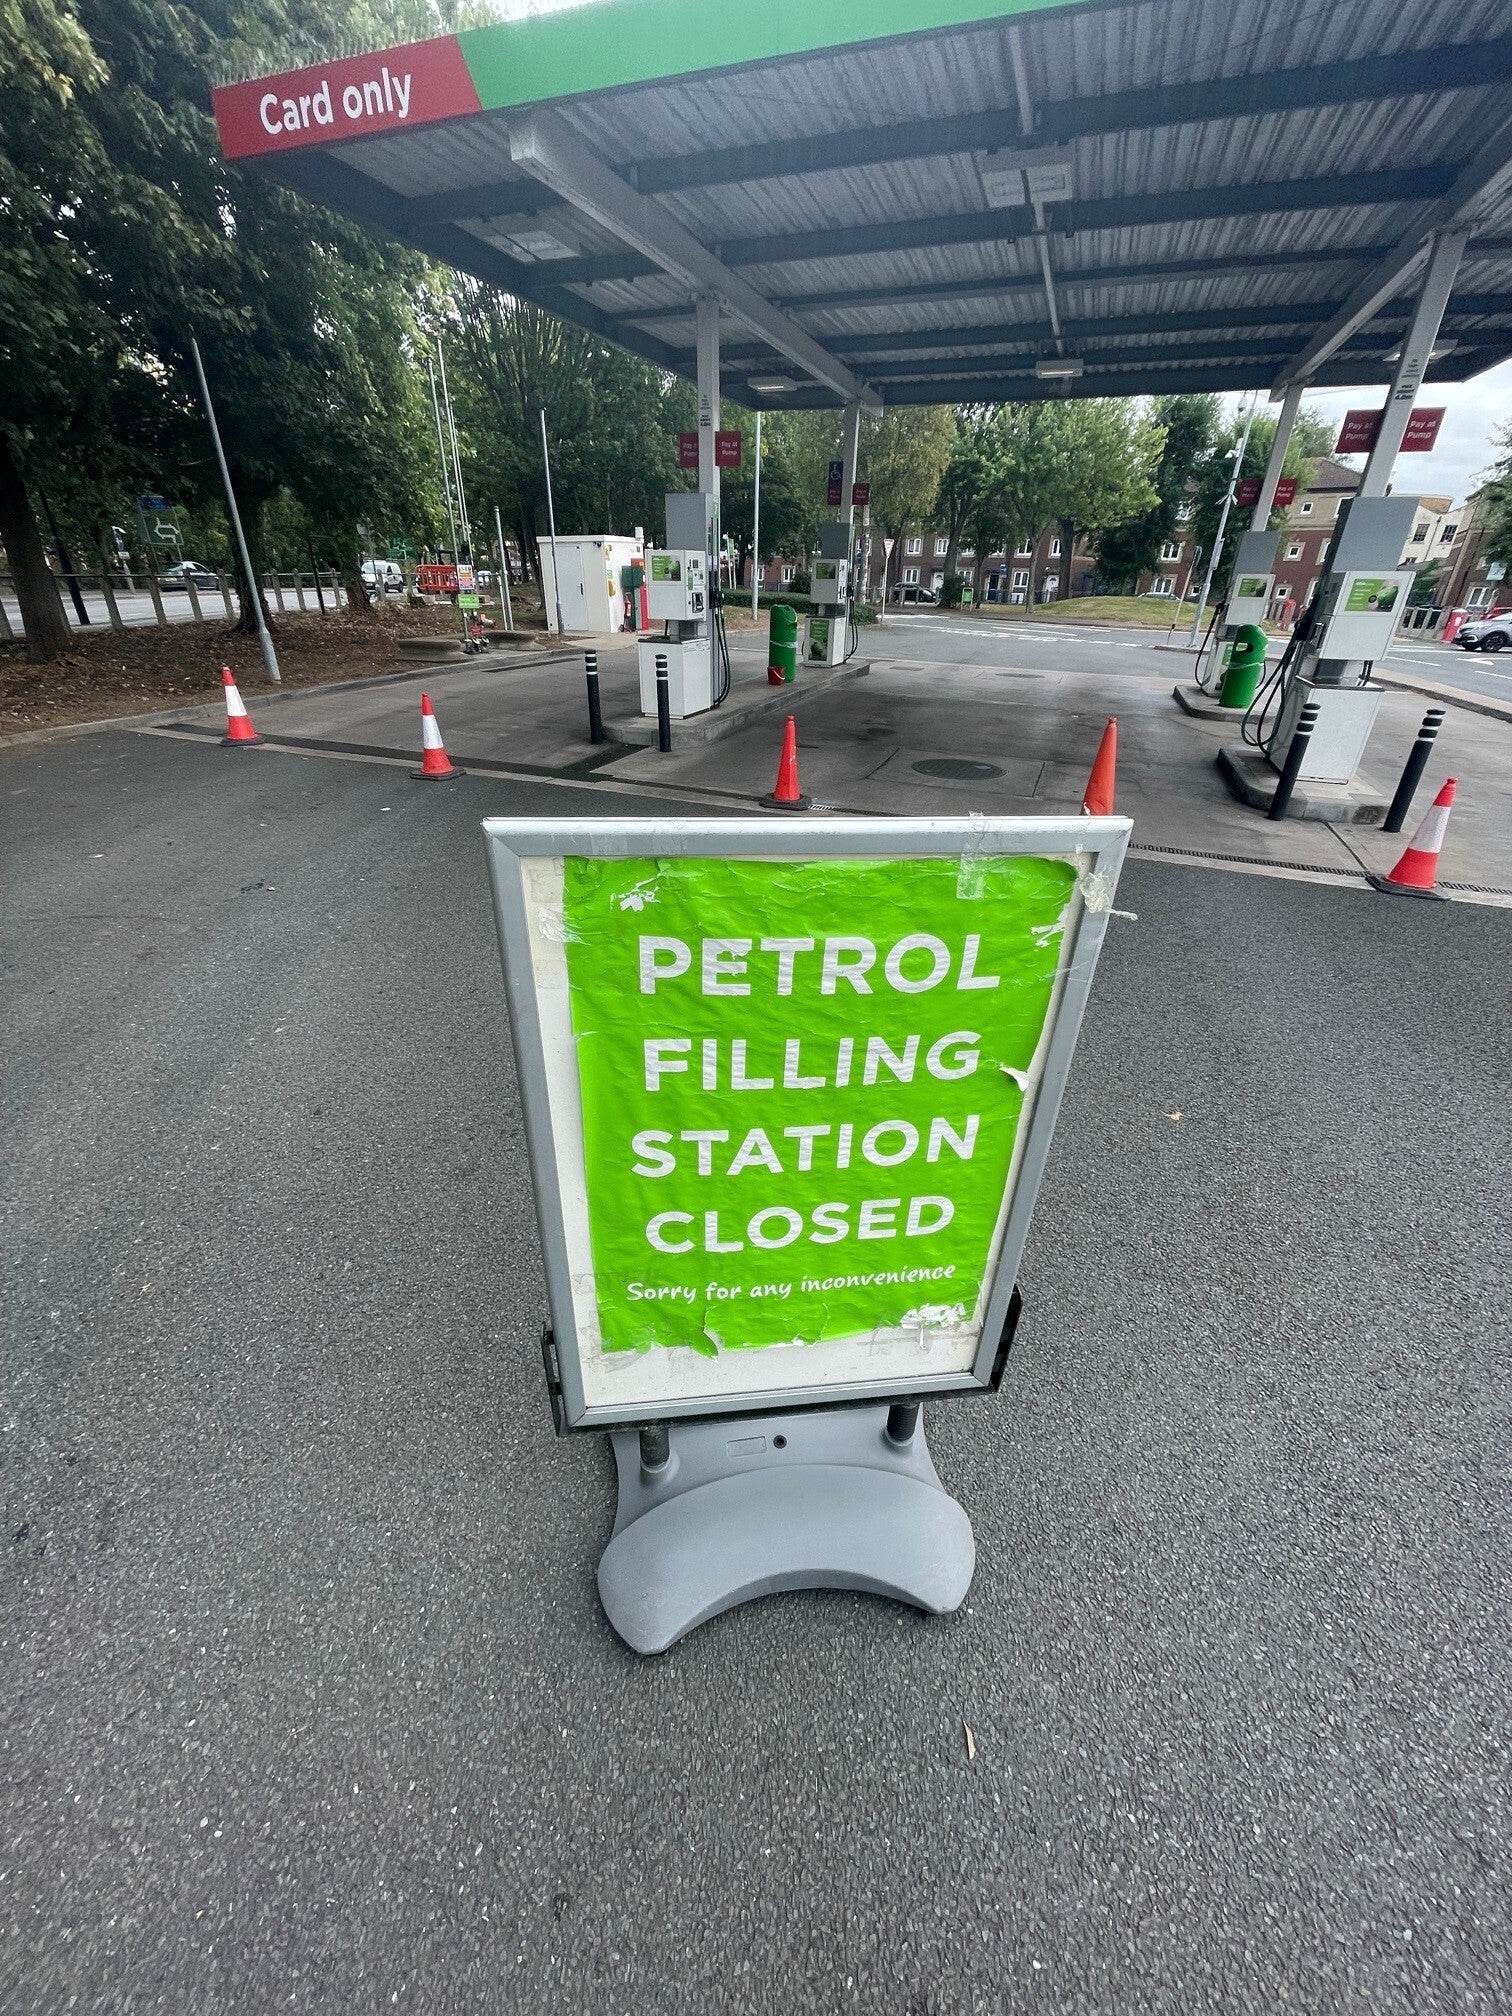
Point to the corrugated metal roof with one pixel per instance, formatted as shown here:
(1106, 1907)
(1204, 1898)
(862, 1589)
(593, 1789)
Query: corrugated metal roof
(1149, 235)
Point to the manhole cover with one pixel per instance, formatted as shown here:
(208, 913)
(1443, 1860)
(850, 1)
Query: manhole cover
(960, 767)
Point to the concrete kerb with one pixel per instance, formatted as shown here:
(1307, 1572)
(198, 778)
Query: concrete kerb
(1192, 700)
(1253, 781)
(1455, 696)
(638, 731)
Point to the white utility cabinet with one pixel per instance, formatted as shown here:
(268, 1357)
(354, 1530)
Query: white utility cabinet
(592, 573)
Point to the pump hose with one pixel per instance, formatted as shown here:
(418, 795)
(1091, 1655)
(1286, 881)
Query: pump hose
(1273, 687)
(722, 656)
(1202, 683)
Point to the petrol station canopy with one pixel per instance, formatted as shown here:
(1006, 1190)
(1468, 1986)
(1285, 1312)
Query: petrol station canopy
(943, 201)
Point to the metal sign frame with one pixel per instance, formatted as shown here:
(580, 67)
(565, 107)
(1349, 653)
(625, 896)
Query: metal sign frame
(520, 857)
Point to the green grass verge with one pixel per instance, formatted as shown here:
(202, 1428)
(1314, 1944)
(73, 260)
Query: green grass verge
(1150, 612)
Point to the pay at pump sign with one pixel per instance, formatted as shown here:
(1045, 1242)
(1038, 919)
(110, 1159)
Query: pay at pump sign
(788, 1100)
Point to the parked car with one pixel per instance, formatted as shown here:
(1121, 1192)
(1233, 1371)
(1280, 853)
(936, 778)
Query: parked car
(183, 572)
(906, 591)
(1487, 633)
(384, 575)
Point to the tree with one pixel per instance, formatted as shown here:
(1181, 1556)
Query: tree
(784, 516)
(611, 420)
(1312, 437)
(1127, 549)
(122, 232)
(1105, 454)
(903, 455)
(965, 480)
(1496, 501)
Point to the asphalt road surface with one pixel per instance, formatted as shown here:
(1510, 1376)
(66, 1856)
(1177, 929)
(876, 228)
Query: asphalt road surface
(309, 1702)
(136, 611)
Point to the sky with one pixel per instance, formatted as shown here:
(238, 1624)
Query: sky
(1473, 414)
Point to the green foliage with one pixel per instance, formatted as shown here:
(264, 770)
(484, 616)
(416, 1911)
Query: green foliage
(1496, 501)
(786, 516)
(611, 420)
(1131, 547)
(1312, 437)
(122, 233)
(1012, 469)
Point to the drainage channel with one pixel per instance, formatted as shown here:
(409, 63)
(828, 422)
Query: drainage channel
(1302, 867)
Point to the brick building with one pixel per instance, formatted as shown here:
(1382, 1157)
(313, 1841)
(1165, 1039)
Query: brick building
(1473, 581)
(1309, 525)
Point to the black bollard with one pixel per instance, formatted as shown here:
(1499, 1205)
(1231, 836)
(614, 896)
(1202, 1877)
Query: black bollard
(655, 1446)
(663, 706)
(595, 712)
(1293, 764)
(1412, 771)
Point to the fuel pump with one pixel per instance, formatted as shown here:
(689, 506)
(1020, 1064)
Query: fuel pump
(1361, 593)
(1245, 599)
(682, 595)
(826, 633)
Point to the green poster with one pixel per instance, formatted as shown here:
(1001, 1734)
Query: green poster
(1371, 594)
(801, 1085)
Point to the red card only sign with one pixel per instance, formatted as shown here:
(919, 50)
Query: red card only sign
(1361, 425)
(727, 448)
(344, 100)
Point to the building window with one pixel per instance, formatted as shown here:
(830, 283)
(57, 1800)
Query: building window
(1448, 533)
(787, 577)
(1306, 507)
(1170, 550)
(1023, 550)
(1163, 585)
(942, 547)
(1419, 534)
(1283, 591)
(911, 577)
(1479, 596)
(937, 580)
(1055, 550)
(1294, 551)
(1021, 578)
(1184, 513)
(968, 553)
(1049, 586)
(915, 546)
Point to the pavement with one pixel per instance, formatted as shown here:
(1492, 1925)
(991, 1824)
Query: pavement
(310, 1702)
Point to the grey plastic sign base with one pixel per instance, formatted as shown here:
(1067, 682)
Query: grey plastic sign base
(744, 1508)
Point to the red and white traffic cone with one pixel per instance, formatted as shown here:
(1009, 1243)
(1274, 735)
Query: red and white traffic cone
(1416, 874)
(240, 734)
(1102, 785)
(434, 761)
(785, 795)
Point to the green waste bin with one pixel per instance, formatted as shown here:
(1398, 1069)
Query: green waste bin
(782, 651)
(1245, 664)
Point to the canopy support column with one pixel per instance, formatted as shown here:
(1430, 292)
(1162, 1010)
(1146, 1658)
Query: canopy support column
(1286, 420)
(1417, 348)
(706, 309)
(850, 450)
